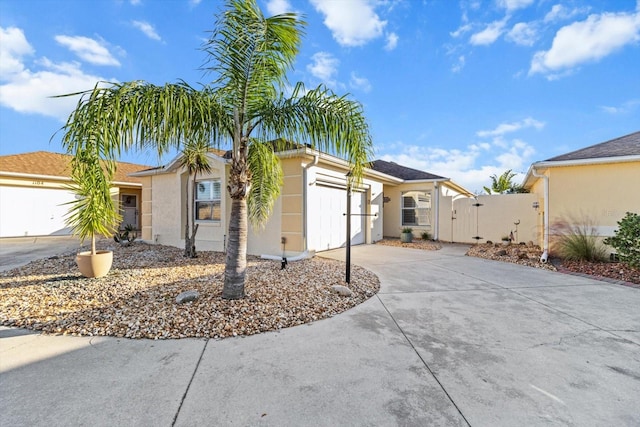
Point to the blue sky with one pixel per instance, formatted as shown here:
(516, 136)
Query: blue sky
(464, 89)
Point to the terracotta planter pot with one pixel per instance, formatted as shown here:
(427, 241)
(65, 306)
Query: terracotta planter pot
(97, 265)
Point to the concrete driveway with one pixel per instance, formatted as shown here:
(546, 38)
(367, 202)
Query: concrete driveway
(449, 340)
(18, 251)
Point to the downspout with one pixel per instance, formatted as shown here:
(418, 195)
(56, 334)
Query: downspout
(436, 231)
(545, 246)
(304, 200)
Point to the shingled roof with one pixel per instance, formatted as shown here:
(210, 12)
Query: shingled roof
(402, 172)
(628, 145)
(58, 165)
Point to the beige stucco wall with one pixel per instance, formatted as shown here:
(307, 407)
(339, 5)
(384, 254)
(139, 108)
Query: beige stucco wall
(393, 209)
(601, 194)
(291, 220)
(596, 195)
(163, 217)
(165, 203)
(146, 209)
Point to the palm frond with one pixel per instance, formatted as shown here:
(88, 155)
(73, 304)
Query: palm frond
(251, 54)
(194, 157)
(266, 182)
(331, 123)
(138, 114)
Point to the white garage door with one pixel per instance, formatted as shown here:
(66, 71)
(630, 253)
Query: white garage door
(33, 211)
(326, 222)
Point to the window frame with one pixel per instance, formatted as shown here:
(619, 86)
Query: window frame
(211, 199)
(428, 211)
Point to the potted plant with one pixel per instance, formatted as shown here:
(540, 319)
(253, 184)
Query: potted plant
(93, 211)
(407, 235)
(126, 236)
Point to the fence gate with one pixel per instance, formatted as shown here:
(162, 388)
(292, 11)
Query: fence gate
(490, 217)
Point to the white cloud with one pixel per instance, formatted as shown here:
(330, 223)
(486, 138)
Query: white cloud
(459, 65)
(194, 3)
(88, 49)
(461, 30)
(147, 29)
(352, 23)
(587, 41)
(504, 128)
(277, 7)
(29, 91)
(392, 41)
(13, 47)
(559, 12)
(471, 166)
(511, 5)
(524, 34)
(360, 83)
(490, 34)
(625, 108)
(324, 67)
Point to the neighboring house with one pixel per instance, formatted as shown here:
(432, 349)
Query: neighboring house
(310, 213)
(34, 190)
(598, 184)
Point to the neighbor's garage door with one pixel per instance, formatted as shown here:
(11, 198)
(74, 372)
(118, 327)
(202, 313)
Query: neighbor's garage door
(28, 211)
(326, 222)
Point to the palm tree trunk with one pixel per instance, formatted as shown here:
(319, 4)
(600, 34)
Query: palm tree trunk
(236, 262)
(187, 240)
(194, 226)
(93, 244)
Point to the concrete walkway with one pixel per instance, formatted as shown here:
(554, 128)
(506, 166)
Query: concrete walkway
(449, 340)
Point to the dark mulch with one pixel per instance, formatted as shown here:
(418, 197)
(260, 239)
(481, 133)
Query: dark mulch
(616, 271)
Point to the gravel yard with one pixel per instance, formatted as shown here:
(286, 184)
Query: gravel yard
(428, 245)
(530, 256)
(137, 299)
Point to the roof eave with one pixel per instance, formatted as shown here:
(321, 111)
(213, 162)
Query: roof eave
(529, 179)
(336, 161)
(35, 176)
(172, 166)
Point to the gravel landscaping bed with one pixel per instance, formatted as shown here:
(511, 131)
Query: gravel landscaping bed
(428, 245)
(530, 255)
(137, 299)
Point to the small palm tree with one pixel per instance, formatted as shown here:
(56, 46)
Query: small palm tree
(246, 104)
(93, 211)
(194, 159)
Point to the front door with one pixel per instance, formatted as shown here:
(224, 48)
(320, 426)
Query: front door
(129, 204)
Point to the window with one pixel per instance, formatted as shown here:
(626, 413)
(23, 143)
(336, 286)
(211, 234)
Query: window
(416, 208)
(208, 200)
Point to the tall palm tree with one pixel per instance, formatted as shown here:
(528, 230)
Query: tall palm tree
(501, 184)
(195, 161)
(249, 56)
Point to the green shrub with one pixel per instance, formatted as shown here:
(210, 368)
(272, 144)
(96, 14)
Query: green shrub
(578, 241)
(425, 235)
(407, 230)
(626, 239)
